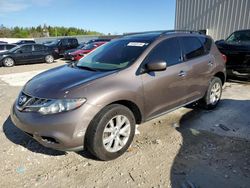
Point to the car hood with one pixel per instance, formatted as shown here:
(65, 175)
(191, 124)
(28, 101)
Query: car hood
(225, 46)
(62, 82)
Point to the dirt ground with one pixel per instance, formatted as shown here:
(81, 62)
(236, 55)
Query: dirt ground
(183, 149)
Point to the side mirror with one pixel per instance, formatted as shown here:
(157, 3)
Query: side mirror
(156, 66)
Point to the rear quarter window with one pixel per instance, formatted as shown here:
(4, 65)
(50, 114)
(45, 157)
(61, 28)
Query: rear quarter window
(192, 47)
(207, 43)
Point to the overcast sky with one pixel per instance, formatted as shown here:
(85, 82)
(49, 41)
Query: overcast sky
(106, 16)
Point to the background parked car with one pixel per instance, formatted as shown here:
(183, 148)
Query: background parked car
(237, 50)
(2, 42)
(20, 42)
(67, 54)
(6, 47)
(76, 55)
(59, 46)
(26, 53)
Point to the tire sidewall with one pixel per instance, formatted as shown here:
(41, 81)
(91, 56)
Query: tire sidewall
(4, 64)
(95, 145)
(49, 56)
(208, 105)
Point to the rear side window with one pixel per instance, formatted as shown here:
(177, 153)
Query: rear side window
(39, 47)
(168, 50)
(8, 47)
(192, 47)
(207, 43)
(27, 48)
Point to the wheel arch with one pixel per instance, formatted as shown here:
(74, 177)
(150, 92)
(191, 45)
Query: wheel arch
(221, 76)
(133, 107)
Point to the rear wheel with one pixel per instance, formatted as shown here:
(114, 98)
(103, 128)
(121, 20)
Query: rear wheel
(213, 94)
(49, 59)
(111, 132)
(8, 62)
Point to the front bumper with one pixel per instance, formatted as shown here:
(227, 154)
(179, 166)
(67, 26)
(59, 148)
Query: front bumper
(63, 131)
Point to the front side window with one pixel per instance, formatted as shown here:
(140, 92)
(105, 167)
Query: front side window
(192, 47)
(117, 54)
(168, 50)
(1, 47)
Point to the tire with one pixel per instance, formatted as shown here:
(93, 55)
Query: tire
(104, 139)
(213, 94)
(49, 59)
(8, 62)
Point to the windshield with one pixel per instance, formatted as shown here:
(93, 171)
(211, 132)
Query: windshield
(239, 36)
(117, 54)
(81, 46)
(89, 46)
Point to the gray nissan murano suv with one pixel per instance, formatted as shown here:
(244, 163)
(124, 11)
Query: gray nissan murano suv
(95, 103)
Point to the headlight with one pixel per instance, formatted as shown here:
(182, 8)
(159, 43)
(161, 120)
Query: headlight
(61, 106)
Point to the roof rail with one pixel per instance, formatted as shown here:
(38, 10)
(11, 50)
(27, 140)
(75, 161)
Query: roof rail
(182, 31)
(164, 32)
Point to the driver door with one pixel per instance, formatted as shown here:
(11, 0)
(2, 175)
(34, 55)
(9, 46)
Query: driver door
(24, 54)
(165, 90)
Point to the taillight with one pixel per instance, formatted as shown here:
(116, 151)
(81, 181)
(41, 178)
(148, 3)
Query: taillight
(224, 57)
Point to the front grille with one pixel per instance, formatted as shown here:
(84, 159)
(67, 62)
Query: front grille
(26, 101)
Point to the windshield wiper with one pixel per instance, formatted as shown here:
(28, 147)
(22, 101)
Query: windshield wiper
(86, 68)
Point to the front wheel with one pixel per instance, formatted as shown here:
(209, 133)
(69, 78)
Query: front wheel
(213, 94)
(111, 132)
(8, 62)
(49, 59)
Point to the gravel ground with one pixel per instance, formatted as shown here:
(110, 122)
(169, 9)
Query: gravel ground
(185, 148)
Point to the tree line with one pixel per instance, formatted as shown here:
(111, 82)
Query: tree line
(42, 31)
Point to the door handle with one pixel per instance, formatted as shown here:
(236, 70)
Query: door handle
(182, 73)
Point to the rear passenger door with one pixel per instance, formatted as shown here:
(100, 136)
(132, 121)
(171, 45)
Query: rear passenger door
(199, 61)
(164, 90)
(38, 53)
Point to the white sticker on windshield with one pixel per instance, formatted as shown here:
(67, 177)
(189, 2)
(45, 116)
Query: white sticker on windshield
(139, 44)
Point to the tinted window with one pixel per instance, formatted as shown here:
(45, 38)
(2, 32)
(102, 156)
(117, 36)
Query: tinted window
(192, 47)
(8, 47)
(1, 47)
(64, 42)
(39, 47)
(239, 36)
(26, 48)
(207, 42)
(168, 50)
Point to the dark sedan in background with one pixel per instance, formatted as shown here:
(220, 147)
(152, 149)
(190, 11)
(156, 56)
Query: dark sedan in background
(237, 50)
(25, 54)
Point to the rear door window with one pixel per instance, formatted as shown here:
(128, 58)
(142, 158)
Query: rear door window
(2, 47)
(192, 47)
(39, 48)
(26, 49)
(9, 46)
(169, 50)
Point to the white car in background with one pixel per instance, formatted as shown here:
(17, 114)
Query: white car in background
(6, 47)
